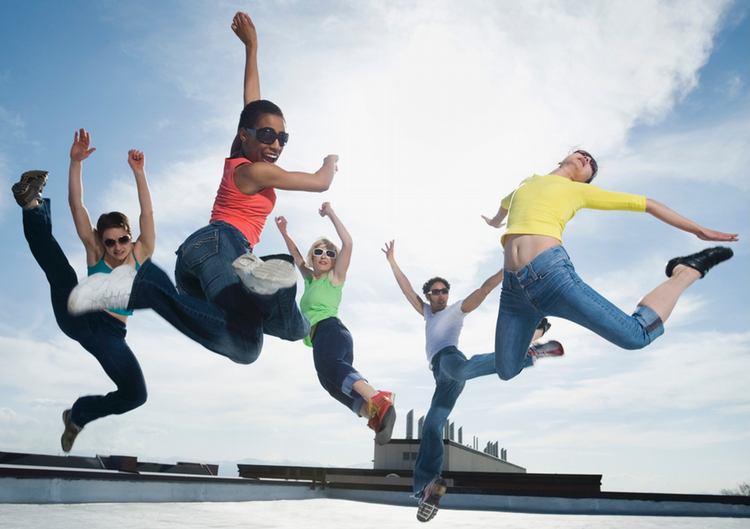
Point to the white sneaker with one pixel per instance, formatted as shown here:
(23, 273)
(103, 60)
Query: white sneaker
(264, 277)
(103, 291)
(551, 348)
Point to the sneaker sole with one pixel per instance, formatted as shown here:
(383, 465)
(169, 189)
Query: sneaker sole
(29, 187)
(429, 508)
(267, 277)
(389, 421)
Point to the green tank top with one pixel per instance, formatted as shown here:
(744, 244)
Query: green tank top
(320, 301)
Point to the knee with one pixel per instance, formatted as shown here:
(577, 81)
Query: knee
(506, 372)
(244, 358)
(136, 398)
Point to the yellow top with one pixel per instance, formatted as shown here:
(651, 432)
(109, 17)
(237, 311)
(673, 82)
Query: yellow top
(542, 205)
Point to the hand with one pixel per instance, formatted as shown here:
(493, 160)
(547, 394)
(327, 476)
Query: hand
(136, 160)
(493, 222)
(281, 223)
(80, 149)
(325, 209)
(244, 28)
(711, 235)
(388, 251)
(334, 159)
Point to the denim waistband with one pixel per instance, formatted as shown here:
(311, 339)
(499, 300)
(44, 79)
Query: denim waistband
(540, 264)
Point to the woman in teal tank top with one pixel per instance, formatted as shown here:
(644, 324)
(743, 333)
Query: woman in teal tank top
(324, 271)
(108, 246)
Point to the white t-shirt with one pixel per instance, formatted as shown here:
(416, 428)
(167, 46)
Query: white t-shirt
(443, 328)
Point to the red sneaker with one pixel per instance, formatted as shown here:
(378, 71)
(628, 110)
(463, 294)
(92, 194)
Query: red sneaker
(382, 416)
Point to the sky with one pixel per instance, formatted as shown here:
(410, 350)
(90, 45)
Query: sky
(436, 113)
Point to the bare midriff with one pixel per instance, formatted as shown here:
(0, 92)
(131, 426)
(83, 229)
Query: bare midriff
(521, 249)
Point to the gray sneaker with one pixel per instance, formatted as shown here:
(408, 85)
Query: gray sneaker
(71, 432)
(430, 501)
(264, 277)
(103, 291)
(29, 187)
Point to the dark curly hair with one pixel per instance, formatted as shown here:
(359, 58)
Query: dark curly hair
(428, 285)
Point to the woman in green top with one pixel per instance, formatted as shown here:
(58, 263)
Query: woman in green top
(324, 271)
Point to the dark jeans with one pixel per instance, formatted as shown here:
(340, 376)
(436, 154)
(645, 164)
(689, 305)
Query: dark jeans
(99, 333)
(333, 353)
(210, 305)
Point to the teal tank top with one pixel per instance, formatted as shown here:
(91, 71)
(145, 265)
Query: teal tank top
(103, 268)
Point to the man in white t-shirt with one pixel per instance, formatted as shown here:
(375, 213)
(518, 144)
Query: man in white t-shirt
(451, 370)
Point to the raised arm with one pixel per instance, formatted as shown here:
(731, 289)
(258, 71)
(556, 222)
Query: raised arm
(411, 296)
(144, 246)
(476, 298)
(299, 259)
(244, 28)
(81, 150)
(664, 214)
(250, 178)
(338, 274)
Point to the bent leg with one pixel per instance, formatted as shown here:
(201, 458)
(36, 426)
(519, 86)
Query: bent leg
(517, 320)
(455, 365)
(333, 354)
(107, 344)
(583, 305)
(430, 457)
(228, 334)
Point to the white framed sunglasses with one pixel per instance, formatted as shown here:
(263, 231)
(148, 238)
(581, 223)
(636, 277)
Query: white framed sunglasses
(317, 252)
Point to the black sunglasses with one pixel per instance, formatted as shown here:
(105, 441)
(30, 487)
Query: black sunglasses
(267, 135)
(122, 241)
(594, 165)
(436, 291)
(317, 252)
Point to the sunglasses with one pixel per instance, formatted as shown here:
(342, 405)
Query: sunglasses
(122, 241)
(594, 165)
(436, 291)
(317, 252)
(267, 135)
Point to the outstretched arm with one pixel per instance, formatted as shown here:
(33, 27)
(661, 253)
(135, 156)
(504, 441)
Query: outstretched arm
(664, 214)
(251, 178)
(345, 255)
(476, 298)
(299, 259)
(144, 246)
(411, 296)
(244, 28)
(81, 150)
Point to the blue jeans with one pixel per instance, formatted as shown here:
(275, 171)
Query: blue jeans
(99, 333)
(451, 370)
(333, 353)
(210, 305)
(549, 286)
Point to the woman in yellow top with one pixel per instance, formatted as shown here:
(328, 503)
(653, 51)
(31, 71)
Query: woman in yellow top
(324, 272)
(540, 279)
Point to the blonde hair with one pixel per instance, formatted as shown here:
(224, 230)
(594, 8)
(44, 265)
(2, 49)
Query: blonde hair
(322, 241)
